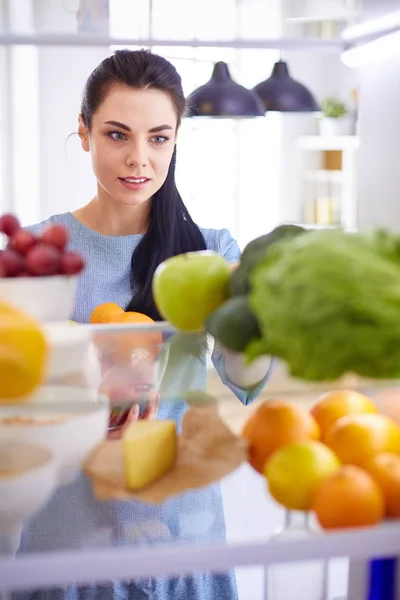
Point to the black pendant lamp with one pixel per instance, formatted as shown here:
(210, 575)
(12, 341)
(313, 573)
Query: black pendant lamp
(222, 97)
(281, 93)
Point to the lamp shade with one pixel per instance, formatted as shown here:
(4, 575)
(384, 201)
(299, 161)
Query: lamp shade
(281, 93)
(222, 97)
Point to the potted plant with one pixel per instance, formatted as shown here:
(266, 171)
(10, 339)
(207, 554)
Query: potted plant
(335, 119)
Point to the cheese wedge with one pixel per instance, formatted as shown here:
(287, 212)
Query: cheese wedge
(150, 449)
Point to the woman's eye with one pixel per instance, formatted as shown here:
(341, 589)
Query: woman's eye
(117, 135)
(159, 139)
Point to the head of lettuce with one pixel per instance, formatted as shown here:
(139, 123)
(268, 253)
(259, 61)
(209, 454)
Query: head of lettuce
(328, 303)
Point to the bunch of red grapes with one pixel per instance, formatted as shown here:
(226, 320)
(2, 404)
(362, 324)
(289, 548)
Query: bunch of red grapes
(28, 255)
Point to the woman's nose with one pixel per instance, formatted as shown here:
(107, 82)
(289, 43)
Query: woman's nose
(137, 156)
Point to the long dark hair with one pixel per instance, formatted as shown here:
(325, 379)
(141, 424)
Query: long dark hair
(171, 230)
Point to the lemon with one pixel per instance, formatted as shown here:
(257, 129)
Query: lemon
(294, 472)
(23, 354)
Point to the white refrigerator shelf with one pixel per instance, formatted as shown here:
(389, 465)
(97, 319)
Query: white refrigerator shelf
(46, 570)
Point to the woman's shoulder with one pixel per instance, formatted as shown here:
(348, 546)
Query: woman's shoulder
(61, 219)
(221, 241)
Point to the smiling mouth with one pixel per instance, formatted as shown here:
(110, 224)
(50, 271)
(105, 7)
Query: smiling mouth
(134, 179)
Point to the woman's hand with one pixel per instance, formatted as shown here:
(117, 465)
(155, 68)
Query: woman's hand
(130, 389)
(119, 426)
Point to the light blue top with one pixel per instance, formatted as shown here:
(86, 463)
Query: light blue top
(74, 518)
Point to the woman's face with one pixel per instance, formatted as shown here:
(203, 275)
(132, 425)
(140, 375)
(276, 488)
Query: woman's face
(131, 142)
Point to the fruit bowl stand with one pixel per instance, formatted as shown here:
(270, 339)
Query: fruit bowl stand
(248, 546)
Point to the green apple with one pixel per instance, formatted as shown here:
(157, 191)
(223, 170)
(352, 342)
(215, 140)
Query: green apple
(189, 287)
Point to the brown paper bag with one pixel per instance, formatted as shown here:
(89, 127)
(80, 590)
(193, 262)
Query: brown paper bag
(207, 452)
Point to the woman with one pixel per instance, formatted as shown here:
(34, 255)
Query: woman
(132, 107)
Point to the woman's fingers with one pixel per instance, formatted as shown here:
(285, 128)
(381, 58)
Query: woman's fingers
(152, 406)
(150, 412)
(133, 415)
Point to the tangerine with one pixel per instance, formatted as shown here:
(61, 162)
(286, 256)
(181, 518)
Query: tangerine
(354, 438)
(336, 404)
(275, 424)
(348, 498)
(385, 470)
(104, 313)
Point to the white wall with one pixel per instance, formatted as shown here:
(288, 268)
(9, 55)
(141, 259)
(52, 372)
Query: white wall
(20, 162)
(4, 129)
(379, 153)
(66, 180)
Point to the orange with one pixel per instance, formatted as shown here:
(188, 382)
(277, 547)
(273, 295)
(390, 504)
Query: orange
(104, 313)
(348, 498)
(333, 405)
(355, 438)
(275, 424)
(385, 470)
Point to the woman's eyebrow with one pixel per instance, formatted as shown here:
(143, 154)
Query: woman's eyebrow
(127, 128)
(160, 128)
(118, 124)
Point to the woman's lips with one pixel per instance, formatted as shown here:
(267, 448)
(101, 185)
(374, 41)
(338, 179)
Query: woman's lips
(134, 183)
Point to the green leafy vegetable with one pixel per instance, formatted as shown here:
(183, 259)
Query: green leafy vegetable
(255, 251)
(328, 303)
(386, 243)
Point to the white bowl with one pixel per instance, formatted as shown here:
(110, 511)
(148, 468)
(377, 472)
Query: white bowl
(44, 298)
(70, 421)
(69, 349)
(28, 478)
